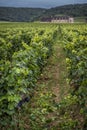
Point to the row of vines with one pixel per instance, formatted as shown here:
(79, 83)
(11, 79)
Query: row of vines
(74, 106)
(23, 54)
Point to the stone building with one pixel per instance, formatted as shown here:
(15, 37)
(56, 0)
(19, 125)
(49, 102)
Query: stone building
(58, 19)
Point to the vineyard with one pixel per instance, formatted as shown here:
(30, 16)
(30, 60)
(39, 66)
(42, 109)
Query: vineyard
(25, 50)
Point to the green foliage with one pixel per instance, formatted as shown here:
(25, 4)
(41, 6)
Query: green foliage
(19, 14)
(75, 45)
(23, 54)
(75, 10)
(37, 117)
(24, 51)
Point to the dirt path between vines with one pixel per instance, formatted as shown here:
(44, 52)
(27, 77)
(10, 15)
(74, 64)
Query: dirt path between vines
(42, 112)
(51, 88)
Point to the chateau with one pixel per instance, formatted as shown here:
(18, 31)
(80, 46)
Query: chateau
(58, 19)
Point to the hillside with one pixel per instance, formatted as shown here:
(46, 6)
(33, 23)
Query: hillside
(19, 14)
(77, 10)
(34, 14)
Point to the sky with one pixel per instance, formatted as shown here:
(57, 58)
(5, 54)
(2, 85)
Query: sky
(38, 3)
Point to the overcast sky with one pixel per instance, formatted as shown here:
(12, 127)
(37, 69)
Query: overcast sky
(38, 3)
